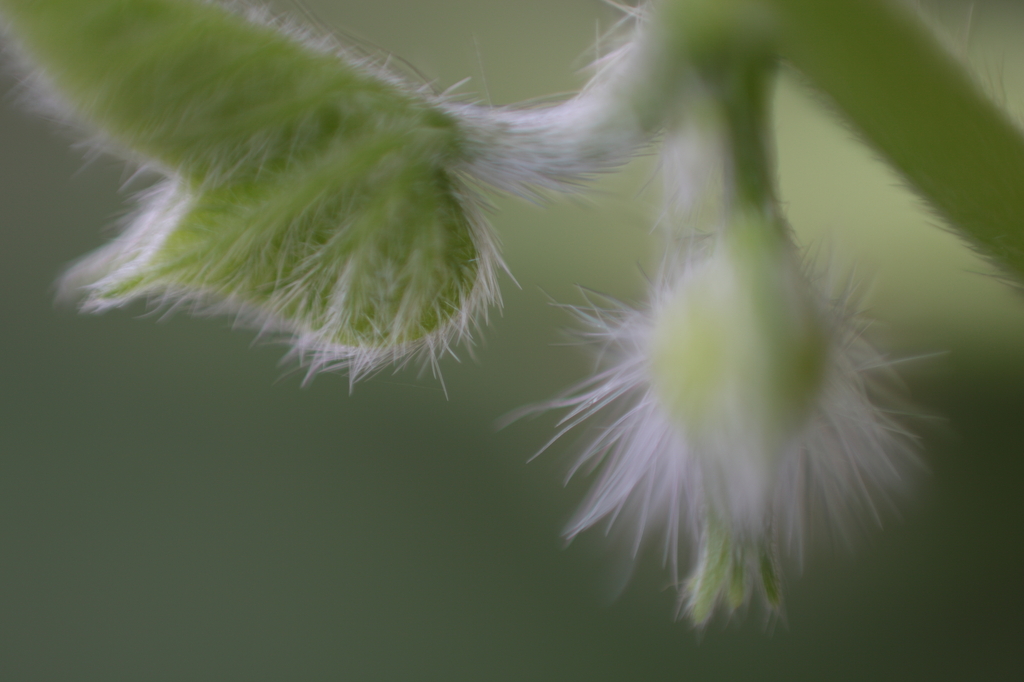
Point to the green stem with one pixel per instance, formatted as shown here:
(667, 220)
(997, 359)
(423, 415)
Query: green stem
(729, 46)
(745, 93)
(911, 101)
(903, 93)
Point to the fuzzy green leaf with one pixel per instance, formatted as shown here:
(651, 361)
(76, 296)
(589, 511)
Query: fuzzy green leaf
(312, 192)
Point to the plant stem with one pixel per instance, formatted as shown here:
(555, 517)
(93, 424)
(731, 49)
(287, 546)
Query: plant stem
(911, 101)
(902, 92)
(746, 87)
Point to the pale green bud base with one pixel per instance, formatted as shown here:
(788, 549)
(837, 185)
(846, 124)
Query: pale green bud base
(728, 570)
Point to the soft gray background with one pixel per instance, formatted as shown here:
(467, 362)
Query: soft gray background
(175, 506)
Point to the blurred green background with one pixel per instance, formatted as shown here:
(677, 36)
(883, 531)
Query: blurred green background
(174, 505)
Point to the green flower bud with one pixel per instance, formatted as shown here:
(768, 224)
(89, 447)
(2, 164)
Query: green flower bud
(738, 355)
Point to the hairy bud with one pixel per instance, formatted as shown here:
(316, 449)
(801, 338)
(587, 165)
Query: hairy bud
(737, 354)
